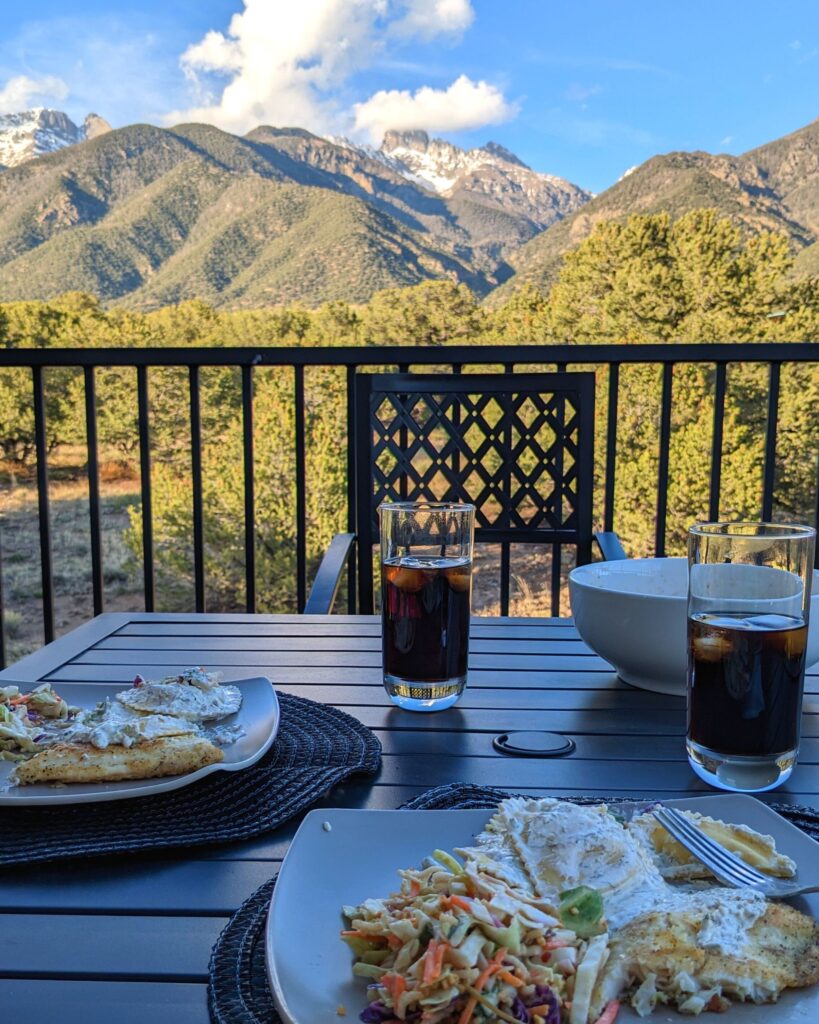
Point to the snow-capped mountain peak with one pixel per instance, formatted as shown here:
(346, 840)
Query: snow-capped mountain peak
(489, 171)
(34, 132)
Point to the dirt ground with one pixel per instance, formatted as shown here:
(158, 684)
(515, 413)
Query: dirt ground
(122, 572)
(71, 552)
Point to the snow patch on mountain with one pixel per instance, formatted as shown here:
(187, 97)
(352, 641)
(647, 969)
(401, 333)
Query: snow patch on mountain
(35, 132)
(490, 171)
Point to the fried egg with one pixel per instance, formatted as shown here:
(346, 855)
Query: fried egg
(182, 701)
(694, 948)
(114, 723)
(678, 864)
(560, 845)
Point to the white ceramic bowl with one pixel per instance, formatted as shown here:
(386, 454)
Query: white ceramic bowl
(633, 614)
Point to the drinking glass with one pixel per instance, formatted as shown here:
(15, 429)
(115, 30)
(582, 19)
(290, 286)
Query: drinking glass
(748, 604)
(426, 586)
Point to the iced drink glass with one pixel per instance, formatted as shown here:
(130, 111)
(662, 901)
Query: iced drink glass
(748, 603)
(426, 586)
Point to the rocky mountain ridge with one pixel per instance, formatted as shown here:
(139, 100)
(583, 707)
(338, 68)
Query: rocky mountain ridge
(774, 187)
(145, 216)
(32, 133)
(490, 171)
(149, 216)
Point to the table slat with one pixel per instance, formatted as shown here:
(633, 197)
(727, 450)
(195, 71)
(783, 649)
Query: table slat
(103, 1002)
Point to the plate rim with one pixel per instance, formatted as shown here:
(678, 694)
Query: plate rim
(151, 786)
(270, 966)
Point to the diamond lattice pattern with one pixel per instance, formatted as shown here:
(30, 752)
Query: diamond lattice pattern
(513, 455)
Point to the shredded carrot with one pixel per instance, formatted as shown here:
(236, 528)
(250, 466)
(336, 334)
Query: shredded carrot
(415, 887)
(356, 933)
(510, 979)
(395, 985)
(429, 961)
(440, 952)
(609, 1015)
(394, 942)
(468, 1010)
(493, 966)
(461, 903)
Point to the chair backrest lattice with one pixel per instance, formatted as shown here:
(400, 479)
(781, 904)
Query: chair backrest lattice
(517, 446)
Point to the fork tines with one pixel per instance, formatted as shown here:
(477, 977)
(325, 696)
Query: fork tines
(725, 865)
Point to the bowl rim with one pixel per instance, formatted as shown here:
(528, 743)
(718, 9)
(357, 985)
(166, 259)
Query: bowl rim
(584, 577)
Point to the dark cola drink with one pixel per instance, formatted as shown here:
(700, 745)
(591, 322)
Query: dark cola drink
(425, 611)
(746, 676)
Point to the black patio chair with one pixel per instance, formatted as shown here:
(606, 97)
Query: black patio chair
(518, 446)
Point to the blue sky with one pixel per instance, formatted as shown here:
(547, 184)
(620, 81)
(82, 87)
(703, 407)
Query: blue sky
(583, 90)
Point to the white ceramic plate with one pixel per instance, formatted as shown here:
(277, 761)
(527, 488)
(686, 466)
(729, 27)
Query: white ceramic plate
(258, 716)
(310, 967)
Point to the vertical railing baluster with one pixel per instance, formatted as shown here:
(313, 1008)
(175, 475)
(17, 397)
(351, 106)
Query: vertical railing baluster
(41, 447)
(506, 548)
(716, 443)
(611, 445)
(351, 470)
(457, 369)
(557, 549)
(403, 442)
(301, 503)
(816, 516)
(2, 604)
(94, 505)
(196, 484)
(143, 407)
(250, 496)
(662, 475)
(557, 566)
(770, 442)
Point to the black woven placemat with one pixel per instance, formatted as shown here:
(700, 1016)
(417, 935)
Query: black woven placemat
(316, 747)
(238, 991)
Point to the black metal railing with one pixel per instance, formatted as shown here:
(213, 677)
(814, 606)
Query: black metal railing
(453, 358)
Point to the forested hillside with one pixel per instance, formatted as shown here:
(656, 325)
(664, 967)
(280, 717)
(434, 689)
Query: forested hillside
(652, 279)
(772, 188)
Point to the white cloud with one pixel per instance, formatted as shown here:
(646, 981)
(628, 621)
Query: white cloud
(425, 19)
(727, 140)
(291, 63)
(20, 92)
(465, 104)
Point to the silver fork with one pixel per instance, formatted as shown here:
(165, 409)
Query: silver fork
(729, 869)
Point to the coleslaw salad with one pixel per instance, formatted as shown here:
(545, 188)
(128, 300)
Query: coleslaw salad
(457, 945)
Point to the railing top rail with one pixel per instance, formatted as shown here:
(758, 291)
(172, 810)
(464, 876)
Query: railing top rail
(375, 355)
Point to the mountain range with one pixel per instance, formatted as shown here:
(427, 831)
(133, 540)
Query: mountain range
(145, 216)
(35, 132)
(774, 187)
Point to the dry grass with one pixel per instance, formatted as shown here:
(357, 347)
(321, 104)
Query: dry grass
(71, 551)
(530, 583)
(122, 574)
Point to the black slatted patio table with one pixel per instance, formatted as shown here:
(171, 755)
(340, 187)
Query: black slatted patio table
(128, 938)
